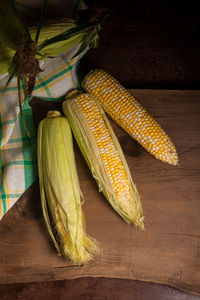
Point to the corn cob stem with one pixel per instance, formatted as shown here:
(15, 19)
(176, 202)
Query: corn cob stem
(104, 156)
(122, 107)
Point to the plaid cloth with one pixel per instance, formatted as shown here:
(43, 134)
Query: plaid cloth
(18, 161)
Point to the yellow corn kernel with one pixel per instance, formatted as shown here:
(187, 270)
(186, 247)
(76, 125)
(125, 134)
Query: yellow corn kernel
(104, 155)
(61, 197)
(128, 113)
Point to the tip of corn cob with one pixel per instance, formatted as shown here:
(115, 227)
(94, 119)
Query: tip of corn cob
(53, 114)
(128, 113)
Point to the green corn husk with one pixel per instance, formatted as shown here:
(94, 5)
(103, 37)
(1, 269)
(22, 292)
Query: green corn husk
(46, 32)
(128, 207)
(12, 27)
(61, 197)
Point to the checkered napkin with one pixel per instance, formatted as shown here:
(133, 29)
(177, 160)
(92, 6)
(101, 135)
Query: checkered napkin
(18, 160)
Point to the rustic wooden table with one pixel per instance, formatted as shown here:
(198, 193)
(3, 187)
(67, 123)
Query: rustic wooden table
(167, 252)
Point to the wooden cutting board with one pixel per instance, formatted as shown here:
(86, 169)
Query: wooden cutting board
(167, 252)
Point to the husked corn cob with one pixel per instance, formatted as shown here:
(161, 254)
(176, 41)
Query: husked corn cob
(104, 156)
(122, 107)
(60, 190)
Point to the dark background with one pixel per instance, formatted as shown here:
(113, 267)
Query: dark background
(143, 43)
(149, 44)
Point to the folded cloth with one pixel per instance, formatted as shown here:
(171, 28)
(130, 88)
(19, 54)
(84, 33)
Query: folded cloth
(18, 155)
(18, 161)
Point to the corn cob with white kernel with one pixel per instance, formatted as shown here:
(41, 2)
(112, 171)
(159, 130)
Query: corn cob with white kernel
(122, 107)
(103, 155)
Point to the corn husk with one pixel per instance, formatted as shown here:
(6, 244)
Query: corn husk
(60, 192)
(12, 27)
(47, 32)
(131, 211)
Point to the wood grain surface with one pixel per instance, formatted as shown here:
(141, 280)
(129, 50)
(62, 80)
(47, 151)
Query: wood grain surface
(167, 252)
(92, 288)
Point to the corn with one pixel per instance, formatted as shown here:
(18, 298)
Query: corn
(47, 32)
(60, 190)
(104, 156)
(122, 107)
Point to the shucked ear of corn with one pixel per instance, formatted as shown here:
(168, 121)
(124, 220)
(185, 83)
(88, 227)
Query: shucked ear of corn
(60, 190)
(104, 156)
(122, 107)
(47, 32)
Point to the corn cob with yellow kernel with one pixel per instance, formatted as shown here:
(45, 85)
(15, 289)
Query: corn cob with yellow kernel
(104, 155)
(128, 113)
(61, 197)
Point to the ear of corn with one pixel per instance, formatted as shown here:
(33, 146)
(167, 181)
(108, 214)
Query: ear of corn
(52, 30)
(47, 32)
(122, 107)
(104, 156)
(60, 190)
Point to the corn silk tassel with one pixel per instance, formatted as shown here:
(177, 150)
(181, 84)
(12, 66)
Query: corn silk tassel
(104, 156)
(23, 47)
(128, 113)
(51, 50)
(60, 192)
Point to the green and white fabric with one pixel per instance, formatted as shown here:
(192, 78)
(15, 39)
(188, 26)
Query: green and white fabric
(18, 161)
